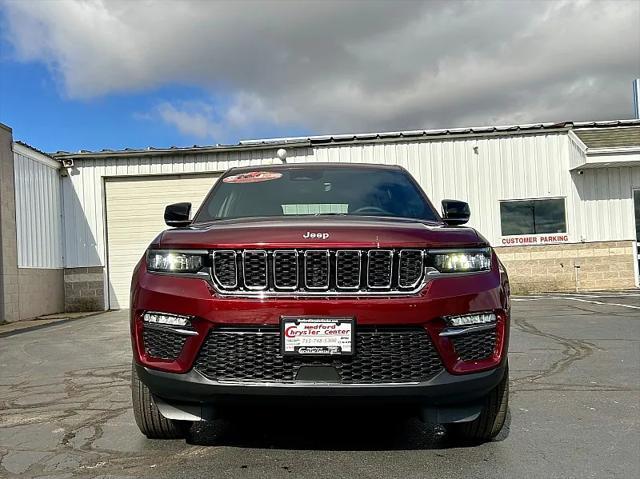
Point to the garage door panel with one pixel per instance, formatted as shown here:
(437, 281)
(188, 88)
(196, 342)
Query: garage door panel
(135, 216)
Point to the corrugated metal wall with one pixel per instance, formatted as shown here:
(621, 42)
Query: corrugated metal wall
(603, 202)
(482, 171)
(602, 199)
(38, 211)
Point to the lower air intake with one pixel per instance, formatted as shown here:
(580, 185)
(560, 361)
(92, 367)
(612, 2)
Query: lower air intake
(382, 355)
(162, 344)
(475, 346)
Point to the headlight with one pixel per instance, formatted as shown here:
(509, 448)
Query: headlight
(461, 261)
(166, 261)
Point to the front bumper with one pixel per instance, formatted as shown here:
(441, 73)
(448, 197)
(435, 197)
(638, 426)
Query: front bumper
(444, 399)
(444, 389)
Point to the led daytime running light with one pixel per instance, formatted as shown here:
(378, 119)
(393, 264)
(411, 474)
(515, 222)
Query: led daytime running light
(472, 319)
(168, 319)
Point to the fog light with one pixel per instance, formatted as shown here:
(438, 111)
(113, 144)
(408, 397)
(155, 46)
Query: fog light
(168, 319)
(471, 319)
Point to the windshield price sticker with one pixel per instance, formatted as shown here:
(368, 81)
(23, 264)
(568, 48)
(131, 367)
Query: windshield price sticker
(317, 336)
(253, 177)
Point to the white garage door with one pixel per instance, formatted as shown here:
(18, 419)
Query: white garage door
(135, 216)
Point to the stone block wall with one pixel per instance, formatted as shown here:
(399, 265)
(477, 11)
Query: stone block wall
(570, 267)
(84, 289)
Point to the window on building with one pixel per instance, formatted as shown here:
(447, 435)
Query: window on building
(525, 217)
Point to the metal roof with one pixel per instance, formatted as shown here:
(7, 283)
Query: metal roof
(610, 137)
(299, 142)
(173, 150)
(27, 145)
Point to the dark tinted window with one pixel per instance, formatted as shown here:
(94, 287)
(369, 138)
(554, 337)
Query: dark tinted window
(315, 191)
(532, 217)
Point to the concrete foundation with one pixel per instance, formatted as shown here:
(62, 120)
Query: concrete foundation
(570, 267)
(84, 289)
(41, 292)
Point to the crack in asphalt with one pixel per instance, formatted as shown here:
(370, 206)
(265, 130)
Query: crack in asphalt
(573, 350)
(82, 388)
(76, 451)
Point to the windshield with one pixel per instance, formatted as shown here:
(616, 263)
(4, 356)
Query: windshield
(298, 191)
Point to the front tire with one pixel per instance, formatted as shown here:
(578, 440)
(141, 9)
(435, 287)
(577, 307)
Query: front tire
(147, 415)
(492, 418)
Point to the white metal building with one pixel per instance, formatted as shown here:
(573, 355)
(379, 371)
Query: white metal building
(552, 197)
(31, 232)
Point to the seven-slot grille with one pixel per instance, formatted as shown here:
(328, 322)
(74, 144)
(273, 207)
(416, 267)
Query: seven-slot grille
(318, 270)
(383, 355)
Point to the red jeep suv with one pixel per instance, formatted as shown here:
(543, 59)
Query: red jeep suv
(330, 281)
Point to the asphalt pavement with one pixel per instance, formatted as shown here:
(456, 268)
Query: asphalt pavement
(65, 410)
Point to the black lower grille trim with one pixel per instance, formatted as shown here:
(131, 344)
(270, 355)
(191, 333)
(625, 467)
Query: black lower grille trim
(475, 346)
(382, 355)
(163, 344)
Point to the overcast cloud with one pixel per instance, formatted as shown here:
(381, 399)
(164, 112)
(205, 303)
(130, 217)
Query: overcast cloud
(345, 66)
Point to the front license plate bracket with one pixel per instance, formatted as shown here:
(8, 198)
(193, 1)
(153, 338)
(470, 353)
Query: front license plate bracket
(317, 336)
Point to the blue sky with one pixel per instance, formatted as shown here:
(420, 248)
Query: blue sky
(96, 74)
(35, 106)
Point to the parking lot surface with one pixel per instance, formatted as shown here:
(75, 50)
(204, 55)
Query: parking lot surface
(574, 412)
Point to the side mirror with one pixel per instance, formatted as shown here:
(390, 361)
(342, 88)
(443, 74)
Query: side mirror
(455, 212)
(177, 214)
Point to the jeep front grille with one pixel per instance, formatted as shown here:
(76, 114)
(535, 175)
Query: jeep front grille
(254, 269)
(318, 271)
(382, 355)
(379, 269)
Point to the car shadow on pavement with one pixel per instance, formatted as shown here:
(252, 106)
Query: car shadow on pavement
(345, 429)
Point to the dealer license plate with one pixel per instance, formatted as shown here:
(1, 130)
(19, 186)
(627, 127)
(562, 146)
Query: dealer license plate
(317, 336)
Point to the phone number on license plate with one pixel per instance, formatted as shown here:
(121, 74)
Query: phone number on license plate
(317, 336)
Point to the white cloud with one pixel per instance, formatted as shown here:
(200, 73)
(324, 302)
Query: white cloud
(204, 121)
(189, 121)
(343, 66)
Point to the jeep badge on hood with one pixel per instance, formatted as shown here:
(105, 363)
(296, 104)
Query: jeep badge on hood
(310, 235)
